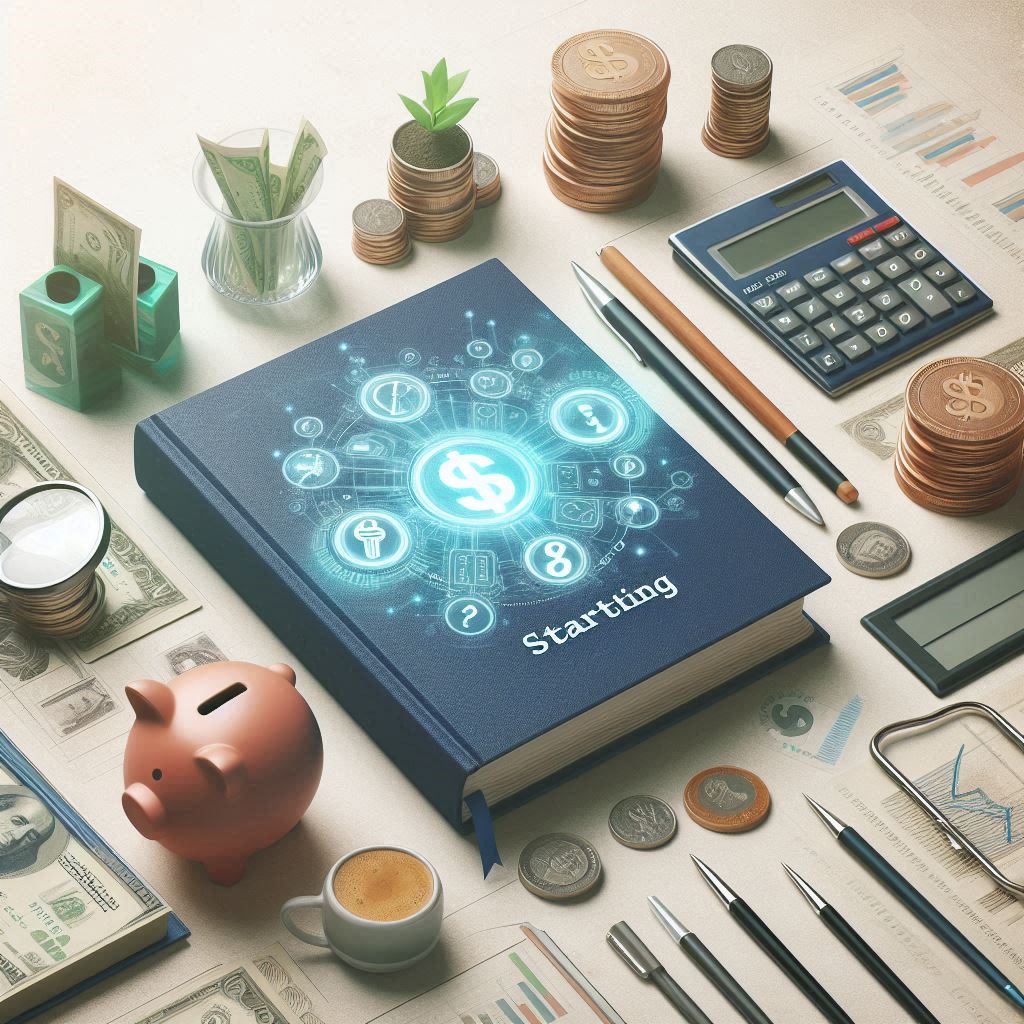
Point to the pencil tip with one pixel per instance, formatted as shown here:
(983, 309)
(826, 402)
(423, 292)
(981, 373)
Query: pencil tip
(847, 492)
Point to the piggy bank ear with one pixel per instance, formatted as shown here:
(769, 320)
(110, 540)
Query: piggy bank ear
(222, 764)
(151, 701)
(284, 670)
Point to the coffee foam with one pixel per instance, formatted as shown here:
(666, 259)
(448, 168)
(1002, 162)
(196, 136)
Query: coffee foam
(383, 885)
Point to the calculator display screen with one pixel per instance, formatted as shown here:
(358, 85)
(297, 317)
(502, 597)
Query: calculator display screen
(792, 232)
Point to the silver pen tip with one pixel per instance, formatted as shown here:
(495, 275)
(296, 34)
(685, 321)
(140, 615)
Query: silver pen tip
(798, 498)
(671, 923)
(816, 902)
(832, 823)
(724, 893)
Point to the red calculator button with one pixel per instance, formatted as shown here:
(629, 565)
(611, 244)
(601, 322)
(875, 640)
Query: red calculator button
(889, 222)
(860, 236)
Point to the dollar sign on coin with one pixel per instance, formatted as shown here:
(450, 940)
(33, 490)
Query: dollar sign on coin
(603, 62)
(966, 397)
(462, 472)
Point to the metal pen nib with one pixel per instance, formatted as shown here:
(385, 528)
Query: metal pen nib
(798, 498)
(598, 296)
(672, 924)
(724, 893)
(832, 823)
(816, 902)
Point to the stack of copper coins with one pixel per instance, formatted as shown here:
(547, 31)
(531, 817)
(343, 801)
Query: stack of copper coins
(609, 91)
(438, 203)
(741, 92)
(487, 179)
(379, 233)
(961, 446)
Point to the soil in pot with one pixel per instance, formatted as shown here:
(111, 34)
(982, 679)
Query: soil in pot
(430, 150)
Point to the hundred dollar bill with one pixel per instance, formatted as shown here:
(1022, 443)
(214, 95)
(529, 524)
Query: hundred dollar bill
(308, 152)
(877, 429)
(100, 245)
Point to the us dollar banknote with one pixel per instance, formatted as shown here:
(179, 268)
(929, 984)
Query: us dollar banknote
(102, 246)
(308, 152)
(877, 429)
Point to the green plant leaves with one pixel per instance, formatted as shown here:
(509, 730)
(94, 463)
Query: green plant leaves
(453, 113)
(455, 83)
(439, 87)
(421, 115)
(438, 112)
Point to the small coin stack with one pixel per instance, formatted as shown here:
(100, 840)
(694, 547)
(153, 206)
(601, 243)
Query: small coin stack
(609, 92)
(61, 612)
(487, 179)
(438, 203)
(379, 233)
(961, 446)
(741, 92)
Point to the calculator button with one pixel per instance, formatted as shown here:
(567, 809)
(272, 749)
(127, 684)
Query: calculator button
(791, 292)
(862, 313)
(889, 222)
(860, 236)
(847, 264)
(854, 348)
(925, 296)
(961, 292)
(941, 273)
(881, 333)
(867, 281)
(888, 299)
(892, 268)
(805, 341)
(820, 277)
(786, 323)
(827, 362)
(812, 309)
(765, 304)
(900, 237)
(832, 328)
(840, 295)
(920, 255)
(875, 249)
(906, 319)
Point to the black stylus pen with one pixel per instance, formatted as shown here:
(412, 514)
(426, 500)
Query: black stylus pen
(709, 964)
(772, 945)
(646, 965)
(915, 902)
(651, 352)
(870, 960)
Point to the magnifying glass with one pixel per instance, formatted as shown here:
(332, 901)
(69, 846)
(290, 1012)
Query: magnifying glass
(53, 535)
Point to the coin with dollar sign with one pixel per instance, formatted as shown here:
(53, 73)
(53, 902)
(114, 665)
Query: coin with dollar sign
(642, 822)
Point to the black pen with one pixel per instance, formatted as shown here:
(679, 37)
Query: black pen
(709, 964)
(916, 903)
(651, 352)
(646, 965)
(870, 960)
(772, 945)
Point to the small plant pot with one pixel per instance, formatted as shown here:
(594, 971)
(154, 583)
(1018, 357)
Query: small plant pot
(430, 176)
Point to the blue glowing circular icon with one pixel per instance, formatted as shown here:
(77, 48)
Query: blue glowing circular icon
(637, 512)
(311, 468)
(489, 383)
(409, 357)
(474, 480)
(527, 359)
(308, 427)
(682, 479)
(479, 349)
(370, 539)
(588, 416)
(629, 467)
(395, 397)
(469, 616)
(554, 559)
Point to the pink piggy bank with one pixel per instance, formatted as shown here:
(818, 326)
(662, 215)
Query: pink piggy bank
(221, 762)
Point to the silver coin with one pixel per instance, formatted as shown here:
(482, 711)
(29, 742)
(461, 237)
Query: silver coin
(642, 822)
(873, 549)
(741, 65)
(378, 217)
(559, 866)
(485, 170)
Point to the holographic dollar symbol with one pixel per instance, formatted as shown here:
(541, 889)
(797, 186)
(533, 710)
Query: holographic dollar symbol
(462, 472)
(370, 533)
(391, 396)
(559, 565)
(965, 397)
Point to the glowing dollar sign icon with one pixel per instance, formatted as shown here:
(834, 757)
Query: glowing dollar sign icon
(965, 397)
(559, 565)
(603, 62)
(462, 472)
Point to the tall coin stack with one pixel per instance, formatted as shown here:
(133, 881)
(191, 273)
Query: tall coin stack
(961, 447)
(741, 93)
(609, 92)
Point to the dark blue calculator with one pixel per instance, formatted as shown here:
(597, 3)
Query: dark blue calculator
(832, 276)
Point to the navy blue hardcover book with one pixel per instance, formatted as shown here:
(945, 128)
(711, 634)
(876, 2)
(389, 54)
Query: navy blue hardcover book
(480, 539)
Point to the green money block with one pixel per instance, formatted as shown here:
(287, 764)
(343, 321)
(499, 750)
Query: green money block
(157, 309)
(66, 356)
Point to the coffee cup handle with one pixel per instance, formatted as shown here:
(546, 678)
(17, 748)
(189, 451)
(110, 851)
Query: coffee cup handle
(299, 903)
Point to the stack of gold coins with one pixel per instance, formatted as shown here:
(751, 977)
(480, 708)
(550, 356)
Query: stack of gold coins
(438, 202)
(961, 447)
(609, 92)
(379, 233)
(741, 93)
(487, 179)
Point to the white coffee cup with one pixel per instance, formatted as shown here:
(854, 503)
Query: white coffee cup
(378, 946)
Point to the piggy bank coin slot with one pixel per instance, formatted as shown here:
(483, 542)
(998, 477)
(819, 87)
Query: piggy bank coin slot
(147, 278)
(62, 287)
(218, 700)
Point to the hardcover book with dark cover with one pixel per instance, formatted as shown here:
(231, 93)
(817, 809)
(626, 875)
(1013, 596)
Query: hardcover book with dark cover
(485, 544)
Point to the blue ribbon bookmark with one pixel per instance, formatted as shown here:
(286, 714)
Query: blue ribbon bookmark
(484, 827)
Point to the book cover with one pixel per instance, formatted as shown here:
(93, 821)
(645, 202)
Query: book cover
(467, 525)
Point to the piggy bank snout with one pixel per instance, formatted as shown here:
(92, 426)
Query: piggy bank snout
(145, 810)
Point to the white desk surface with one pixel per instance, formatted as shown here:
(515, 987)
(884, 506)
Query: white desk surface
(109, 96)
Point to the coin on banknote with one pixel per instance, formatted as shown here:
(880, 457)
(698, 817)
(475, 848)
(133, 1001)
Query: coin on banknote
(559, 866)
(642, 822)
(873, 549)
(727, 799)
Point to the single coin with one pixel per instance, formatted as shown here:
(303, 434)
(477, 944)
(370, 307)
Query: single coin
(741, 65)
(559, 866)
(485, 170)
(609, 65)
(727, 799)
(873, 549)
(642, 822)
(378, 217)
